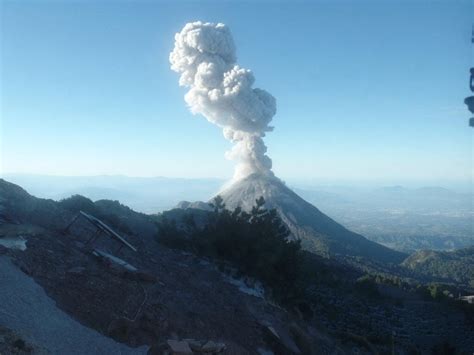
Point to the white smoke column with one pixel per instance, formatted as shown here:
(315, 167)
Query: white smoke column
(204, 55)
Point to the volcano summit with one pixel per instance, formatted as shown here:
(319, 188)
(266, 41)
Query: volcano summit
(318, 233)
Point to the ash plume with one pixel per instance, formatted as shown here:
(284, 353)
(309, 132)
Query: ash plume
(204, 54)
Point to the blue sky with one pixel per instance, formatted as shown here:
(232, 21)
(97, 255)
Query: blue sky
(366, 90)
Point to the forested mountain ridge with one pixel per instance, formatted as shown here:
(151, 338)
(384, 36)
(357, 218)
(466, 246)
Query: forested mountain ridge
(452, 266)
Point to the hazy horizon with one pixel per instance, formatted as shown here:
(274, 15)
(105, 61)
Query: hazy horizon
(374, 181)
(456, 186)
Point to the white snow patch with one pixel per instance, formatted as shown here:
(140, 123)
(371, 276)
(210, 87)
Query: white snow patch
(17, 242)
(115, 260)
(247, 285)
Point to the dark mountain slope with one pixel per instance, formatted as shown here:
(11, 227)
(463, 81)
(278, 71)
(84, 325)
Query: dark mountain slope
(19, 207)
(179, 295)
(172, 295)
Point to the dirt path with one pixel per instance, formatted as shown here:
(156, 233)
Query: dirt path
(26, 309)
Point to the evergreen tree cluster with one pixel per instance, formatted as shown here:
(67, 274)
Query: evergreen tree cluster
(256, 243)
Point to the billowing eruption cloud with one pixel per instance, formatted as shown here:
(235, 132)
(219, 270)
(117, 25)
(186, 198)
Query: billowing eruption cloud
(220, 90)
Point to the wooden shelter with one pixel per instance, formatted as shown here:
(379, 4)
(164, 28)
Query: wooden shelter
(102, 229)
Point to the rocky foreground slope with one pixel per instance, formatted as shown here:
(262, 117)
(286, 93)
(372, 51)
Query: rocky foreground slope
(26, 308)
(173, 295)
(170, 295)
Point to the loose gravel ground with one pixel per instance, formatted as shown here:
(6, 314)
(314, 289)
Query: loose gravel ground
(27, 309)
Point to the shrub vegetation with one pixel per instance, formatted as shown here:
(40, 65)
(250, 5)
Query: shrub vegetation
(256, 243)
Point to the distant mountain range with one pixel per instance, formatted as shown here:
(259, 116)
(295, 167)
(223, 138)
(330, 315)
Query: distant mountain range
(143, 194)
(406, 219)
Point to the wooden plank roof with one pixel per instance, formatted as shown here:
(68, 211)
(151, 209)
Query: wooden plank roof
(105, 228)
